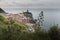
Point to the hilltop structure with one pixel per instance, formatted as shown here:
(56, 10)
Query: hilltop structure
(29, 15)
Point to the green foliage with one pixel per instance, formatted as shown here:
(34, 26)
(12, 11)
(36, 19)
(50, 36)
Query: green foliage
(4, 20)
(53, 33)
(22, 26)
(12, 30)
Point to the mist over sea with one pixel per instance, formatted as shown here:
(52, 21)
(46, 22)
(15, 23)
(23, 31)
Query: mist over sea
(51, 16)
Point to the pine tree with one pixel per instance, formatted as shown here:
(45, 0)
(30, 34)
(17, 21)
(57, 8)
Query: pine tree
(40, 19)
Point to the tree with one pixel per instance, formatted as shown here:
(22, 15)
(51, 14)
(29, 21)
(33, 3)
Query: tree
(41, 19)
(53, 33)
(39, 22)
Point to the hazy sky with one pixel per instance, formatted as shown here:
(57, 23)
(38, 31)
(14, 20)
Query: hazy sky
(30, 3)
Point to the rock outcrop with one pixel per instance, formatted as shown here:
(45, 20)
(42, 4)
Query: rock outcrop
(2, 11)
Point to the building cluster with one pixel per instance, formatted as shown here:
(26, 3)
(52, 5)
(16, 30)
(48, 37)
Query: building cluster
(18, 17)
(24, 17)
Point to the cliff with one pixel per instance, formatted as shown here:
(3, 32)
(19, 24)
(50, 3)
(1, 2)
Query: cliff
(2, 11)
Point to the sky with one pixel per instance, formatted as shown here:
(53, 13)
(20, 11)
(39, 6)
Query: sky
(30, 3)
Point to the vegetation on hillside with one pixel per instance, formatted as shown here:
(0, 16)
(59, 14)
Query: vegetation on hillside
(12, 30)
(4, 22)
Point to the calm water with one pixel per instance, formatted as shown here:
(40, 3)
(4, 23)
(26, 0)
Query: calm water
(51, 16)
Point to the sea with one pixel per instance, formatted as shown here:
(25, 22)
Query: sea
(51, 15)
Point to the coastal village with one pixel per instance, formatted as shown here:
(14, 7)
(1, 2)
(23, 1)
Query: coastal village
(24, 17)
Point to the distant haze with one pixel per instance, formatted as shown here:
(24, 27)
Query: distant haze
(30, 3)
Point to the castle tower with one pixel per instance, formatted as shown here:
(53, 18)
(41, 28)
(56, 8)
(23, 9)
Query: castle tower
(27, 10)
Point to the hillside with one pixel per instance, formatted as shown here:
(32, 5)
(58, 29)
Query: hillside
(5, 23)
